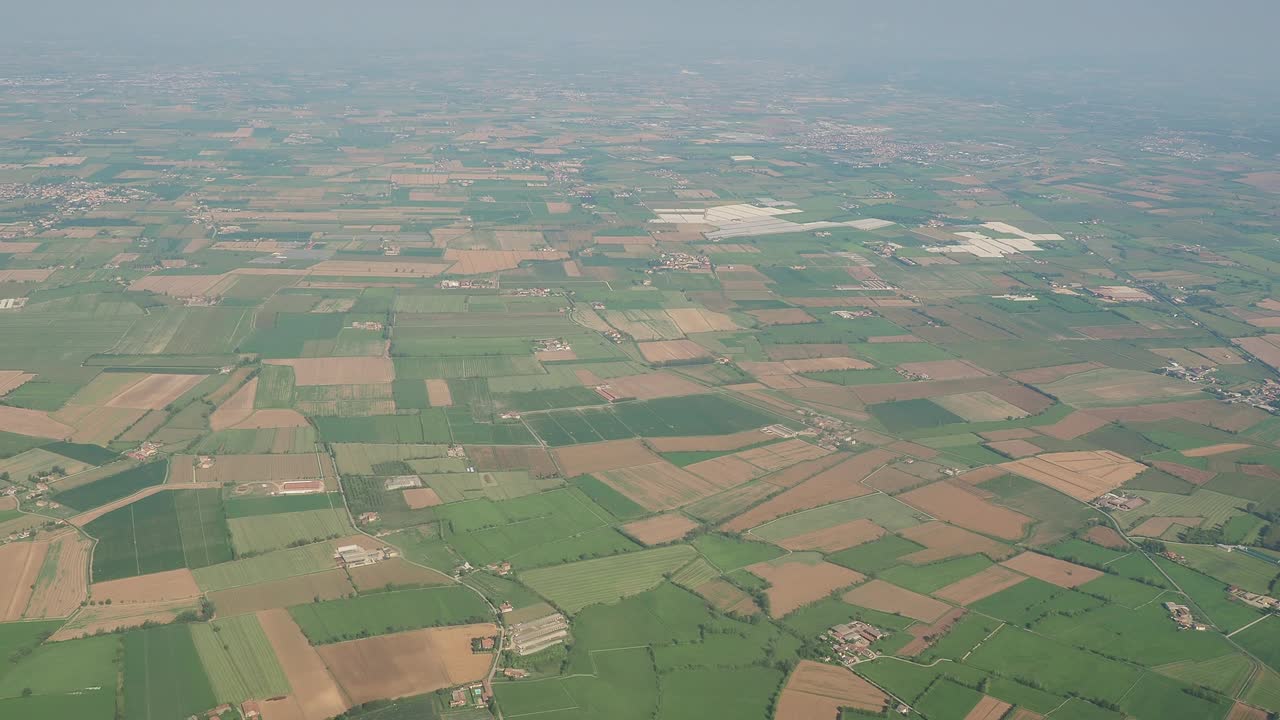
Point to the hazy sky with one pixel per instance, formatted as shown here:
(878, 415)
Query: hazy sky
(1210, 32)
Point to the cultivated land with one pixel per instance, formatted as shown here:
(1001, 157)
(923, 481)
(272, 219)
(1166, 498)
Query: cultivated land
(706, 363)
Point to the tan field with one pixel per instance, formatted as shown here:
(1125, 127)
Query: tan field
(988, 708)
(1218, 449)
(955, 505)
(153, 392)
(784, 454)
(111, 618)
(840, 482)
(60, 593)
(261, 468)
(272, 419)
(373, 668)
(296, 590)
(418, 498)
(1052, 570)
(800, 578)
(27, 275)
(695, 443)
(807, 350)
(925, 635)
(317, 693)
(438, 393)
(582, 459)
(1232, 418)
(834, 539)
(11, 380)
(980, 407)
(236, 409)
(1157, 526)
(725, 469)
(798, 473)
(668, 351)
(32, 422)
(1073, 426)
(651, 386)
(478, 262)
(825, 364)
(819, 691)
(943, 541)
(408, 270)
(660, 528)
(395, 571)
(891, 480)
(177, 285)
(339, 370)
(728, 598)
(660, 485)
(156, 587)
(512, 457)
(1084, 475)
(1014, 448)
(1107, 537)
(1042, 375)
(886, 597)
(976, 587)
(1241, 711)
(20, 564)
(783, 316)
(697, 320)
(944, 369)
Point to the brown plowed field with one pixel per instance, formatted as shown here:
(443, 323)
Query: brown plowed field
(660, 352)
(408, 663)
(914, 449)
(817, 691)
(418, 498)
(1014, 448)
(326, 585)
(725, 469)
(660, 528)
(784, 454)
(944, 541)
(988, 708)
(659, 485)
(1157, 526)
(955, 505)
(477, 262)
(783, 316)
(841, 482)
(697, 320)
(20, 564)
(802, 351)
(112, 618)
(536, 460)
(282, 708)
(654, 385)
(396, 571)
(1107, 537)
(438, 394)
(887, 597)
(583, 459)
(236, 409)
(1240, 711)
(944, 369)
(154, 391)
(1009, 434)
(1052, 570)
(834, 539)
(1218, 449)
(695, 443)
(728, 598)
(61, 593)
(891, 480)
(318, 694)
(339, 370)
(1073, 426)
(800, 472)
(272, 419)
(156, 587)
(11, 380)
(925, 635)
(1083, 475)
(976, 587)
(1190, 474)
(32, 422)
(1232, 418)
(260, 468)
(799, 579)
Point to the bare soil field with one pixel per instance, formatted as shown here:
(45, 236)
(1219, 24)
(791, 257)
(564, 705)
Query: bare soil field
(976, 587)
(725, 469)
(25, 275)
(834, 539)
(1107, 537)
(60, 594)
(582, 459)
(783, 316)
(804, 351)
(1232, 418)
(236, 409)
(841, 482)
(925, 635)
(296, 590)
(784, 454)
(1052, 570)
(374, 668)
(799, 579)
(418, 498)
(659, 528)
(728, 598)
(111, 618)
(697, 320)
(659, 485)
(512, 457)
(1241, 711)
(272, 419)
(694, 443)
(11, 380)
(1218, 449)
(1156, 526)
(314, 687)
(891, 480)
(400, 269)
(395, 571)
(800, 472)
(32, 422)
(1190, 474)
(819, 691)
(1014, 448)
(956, 505)
(156, 587)
(651, 386)
(1073, 426)
(660, 352)
(154, 391)
(177, 285)
(282, 708)
(944, 369)
(438, 394)
(1009, 434)
(1024, 714)
(1084, 475)
(887, 597)
(909, 448)
(988, 708)
(478, 262)
(339, 370)
(20, 564)
(1038, 376)
(1220, 355)
(260, 468)
(944, 541)
(980, 407)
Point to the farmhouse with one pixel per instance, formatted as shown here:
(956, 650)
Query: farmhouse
(1120, 293)
(1182, 617)
(301, 487)
(535, 635)
(352, 556)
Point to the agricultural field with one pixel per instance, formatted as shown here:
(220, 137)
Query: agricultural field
(633, 387)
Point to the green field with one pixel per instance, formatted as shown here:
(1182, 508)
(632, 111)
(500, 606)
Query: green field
(166, 531)
(623, 686)
(1234, 568)
(163, 676)
(263, 568)
(238, 659)
(884, 510)
(388, 612)
(575, 586)
(667, 417)
(114, 487)
(1101, 388)
(263, 533)
(706, 692)
(907, 415)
